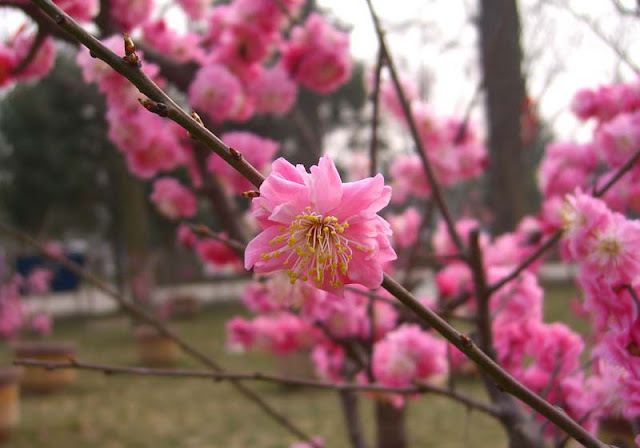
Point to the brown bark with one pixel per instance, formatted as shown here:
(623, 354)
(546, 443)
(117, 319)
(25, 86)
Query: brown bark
(390, 426)
(504, 96)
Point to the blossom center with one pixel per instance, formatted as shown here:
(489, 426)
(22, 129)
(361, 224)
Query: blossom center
(316, 248)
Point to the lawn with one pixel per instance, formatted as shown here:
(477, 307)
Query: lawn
(127, 411)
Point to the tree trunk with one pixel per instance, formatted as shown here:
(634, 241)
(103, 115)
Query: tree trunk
(349, 402)
(504, 96)
(390, 426)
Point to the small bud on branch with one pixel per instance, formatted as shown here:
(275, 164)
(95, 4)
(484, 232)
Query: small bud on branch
(251, 194)
(155, 107)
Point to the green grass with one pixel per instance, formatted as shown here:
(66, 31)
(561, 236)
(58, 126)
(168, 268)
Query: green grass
(128, 411)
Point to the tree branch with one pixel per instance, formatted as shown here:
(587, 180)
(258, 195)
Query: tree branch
(504, 380)
(143, 315)
(435, 187)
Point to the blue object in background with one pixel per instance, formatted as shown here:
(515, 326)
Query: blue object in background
(63, 279)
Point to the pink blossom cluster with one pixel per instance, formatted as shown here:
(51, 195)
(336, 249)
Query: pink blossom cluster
(14, 316)
(408, 353)
(173, 199)
(280, 334)
(616, 137)
(215, 253)
(317, 55)
(606, 245)
(450, 144)
(607, 101)
(258, 151)
(16, 49)
(150, 144)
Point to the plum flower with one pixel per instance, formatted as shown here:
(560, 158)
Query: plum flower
(318, 229)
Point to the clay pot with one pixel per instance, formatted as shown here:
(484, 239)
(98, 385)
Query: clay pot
(184, 307)
(616, 431)
(156, 349)
(39, 379)
(9, 400)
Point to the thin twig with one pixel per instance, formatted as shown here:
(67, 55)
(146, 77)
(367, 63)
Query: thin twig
(438, 197)
(33, 51)
(205, 230)
(375, 99)
(418, 388)
(555, 237)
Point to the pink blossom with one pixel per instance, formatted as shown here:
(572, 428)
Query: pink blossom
(42, 62)
(258, 151)
(39, 281)
(172, 199)
(7, 62)
(216, 253)
(317, 228)
(280, 334)
(181, 47)
(444, 245)
(454, 279)
(317, 55)
(41, 324)
(215, 91)
(389, 96)
(186, 237)
(405, 227)
(54, 249)
(566, 166)
(406, 354)
(195, 9)
(81, 10)
(328, 360)
(619, 138)
(130, 13)
(274, 91)
(160, 154)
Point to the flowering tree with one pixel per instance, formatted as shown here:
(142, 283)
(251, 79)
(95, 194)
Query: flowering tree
(324, 251)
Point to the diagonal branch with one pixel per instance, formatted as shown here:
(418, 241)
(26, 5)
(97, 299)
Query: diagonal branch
(504, 381)
(33, 51)
(168, 107)
(145, 316)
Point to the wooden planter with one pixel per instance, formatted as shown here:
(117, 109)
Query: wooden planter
(156, 349)
(9, 400)
(616, 431)
(39, 379)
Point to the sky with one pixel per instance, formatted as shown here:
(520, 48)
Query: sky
(437, 40)
(566, 54)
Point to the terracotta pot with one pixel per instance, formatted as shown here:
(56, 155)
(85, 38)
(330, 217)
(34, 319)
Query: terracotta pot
(184, 307)
(9, 400)
(156, 349)
(616, 431)
(39, 379)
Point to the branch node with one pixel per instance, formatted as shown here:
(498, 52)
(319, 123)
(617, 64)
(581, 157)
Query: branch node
(251, 194)
(155, 107)
(466, 341)
(235, 153)
(129, 46)
(60, 19)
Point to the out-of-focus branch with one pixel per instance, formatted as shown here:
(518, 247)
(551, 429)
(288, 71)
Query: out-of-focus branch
(418, 388)
(165, 106)
(145, 316)
(33, 51)
(436, 191)
(375, 99)
(595, 29)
